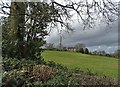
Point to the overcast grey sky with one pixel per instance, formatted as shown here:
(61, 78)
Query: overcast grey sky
(102, 37)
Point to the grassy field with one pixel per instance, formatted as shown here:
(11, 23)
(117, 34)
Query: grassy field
(97, 64)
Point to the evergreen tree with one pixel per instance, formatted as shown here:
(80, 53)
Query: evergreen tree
(86, 51)
(25, 29)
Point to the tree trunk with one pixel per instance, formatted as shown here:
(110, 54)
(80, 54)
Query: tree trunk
(17, 24)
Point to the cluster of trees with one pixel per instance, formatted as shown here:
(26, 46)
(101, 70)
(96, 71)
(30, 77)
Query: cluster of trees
(78, 48)
(26, 26)
(116, 54)
(81, 48)
(100, 53)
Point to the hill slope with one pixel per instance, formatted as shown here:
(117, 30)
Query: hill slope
(97, 64)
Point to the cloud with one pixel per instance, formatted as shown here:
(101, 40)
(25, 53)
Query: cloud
(104, 36)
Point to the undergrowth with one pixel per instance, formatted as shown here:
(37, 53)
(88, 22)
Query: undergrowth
(28, 73)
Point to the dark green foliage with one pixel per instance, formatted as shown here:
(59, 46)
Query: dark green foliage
(56, 65)
(81, 50)
(13, 63)
(79, 47)
(86, 51)
(31, 74)
(14, 31)
(51, 63)
(64, 48)
(76, 70)
(23, 37)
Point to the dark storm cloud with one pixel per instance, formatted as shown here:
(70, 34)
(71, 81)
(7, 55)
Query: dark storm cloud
(102, 35)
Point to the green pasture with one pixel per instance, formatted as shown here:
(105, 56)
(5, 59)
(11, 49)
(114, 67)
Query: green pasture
(97, 64)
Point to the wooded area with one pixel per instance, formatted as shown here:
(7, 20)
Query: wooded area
(26, 25)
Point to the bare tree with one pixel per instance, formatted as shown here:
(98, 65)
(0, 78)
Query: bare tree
(79, 45)
(31, 19)
(87, 11)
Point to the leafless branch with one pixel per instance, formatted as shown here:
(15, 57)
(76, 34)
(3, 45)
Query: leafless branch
(87, 12)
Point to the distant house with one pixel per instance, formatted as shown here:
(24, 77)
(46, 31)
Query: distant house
(73, 49)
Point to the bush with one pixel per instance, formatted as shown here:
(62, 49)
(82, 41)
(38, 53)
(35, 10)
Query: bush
(76, 70)
(13, 63)
(56, 65)
(29, 73)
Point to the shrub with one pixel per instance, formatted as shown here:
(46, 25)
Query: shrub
(13, 63)
(30, 74)
(56, 65)
(76, 70)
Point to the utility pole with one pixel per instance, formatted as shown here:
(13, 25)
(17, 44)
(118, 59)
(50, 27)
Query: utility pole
(60, 40)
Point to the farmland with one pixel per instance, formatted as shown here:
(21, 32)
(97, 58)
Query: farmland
(96, 64)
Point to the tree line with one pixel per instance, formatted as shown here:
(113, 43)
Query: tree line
(80, 48)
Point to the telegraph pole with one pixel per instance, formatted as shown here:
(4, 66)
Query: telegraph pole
(60, 40)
